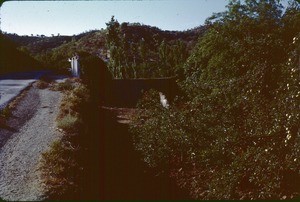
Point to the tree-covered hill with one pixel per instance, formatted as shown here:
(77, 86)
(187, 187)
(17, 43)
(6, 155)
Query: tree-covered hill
(143, 51)
(22, 40)
(41, 43)
(13, 59)
(135, 31)
(145, 46)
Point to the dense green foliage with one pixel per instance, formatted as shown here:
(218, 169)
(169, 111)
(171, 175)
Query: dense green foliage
(236, 133)
(152, 53)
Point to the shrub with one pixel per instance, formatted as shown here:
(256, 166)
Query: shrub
(60, 170)
(63, 86)
(74, 101)
(46, 79)
(69, 123)
(62, 166)
(159, 134)
(236, 136)
(41, 84)
(5, 112)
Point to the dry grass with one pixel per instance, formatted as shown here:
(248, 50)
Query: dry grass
(41, 84)
(5, 113)
(63, 86)
(60, 167)
(69, 123)
(44, 82)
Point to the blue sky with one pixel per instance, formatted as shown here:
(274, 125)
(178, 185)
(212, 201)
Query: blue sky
(73, 17)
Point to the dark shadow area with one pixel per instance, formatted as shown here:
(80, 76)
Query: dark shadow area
(127, 92)
(123, 175)
(14, 60)
(113, 170)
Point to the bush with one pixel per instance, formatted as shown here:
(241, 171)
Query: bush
(5, 112)
(63, 86)
(236, 136)
(41, 84)
(74, 101)
(60, 171)
(69, 123)
(61, 165)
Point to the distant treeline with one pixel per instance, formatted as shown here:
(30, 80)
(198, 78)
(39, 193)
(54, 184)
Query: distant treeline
(133, 51)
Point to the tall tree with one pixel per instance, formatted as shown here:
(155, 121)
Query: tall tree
(113, 43)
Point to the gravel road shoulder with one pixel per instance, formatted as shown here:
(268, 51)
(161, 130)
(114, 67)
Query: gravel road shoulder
(31, 131)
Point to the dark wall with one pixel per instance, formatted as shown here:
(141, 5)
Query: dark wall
(127, 92)
(120, 92)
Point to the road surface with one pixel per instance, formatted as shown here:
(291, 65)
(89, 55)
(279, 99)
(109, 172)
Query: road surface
(12, 84)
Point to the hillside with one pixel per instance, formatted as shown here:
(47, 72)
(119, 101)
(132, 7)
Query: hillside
(41, 43)
(22, 40)
(53, 51)
(96, 38)
(135, 31)
(13, 59)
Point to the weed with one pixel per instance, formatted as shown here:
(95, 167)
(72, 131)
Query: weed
(41, 84)
(5, 112)
(46, 79)
(63, 86)
(69, 123)
(61, 166)
(58, 166)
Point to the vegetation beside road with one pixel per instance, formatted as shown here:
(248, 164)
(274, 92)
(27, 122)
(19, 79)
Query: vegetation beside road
(235, 134)
(62, 171)
(69, 166)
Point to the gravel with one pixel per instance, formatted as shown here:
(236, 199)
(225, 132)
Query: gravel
(31, 131)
